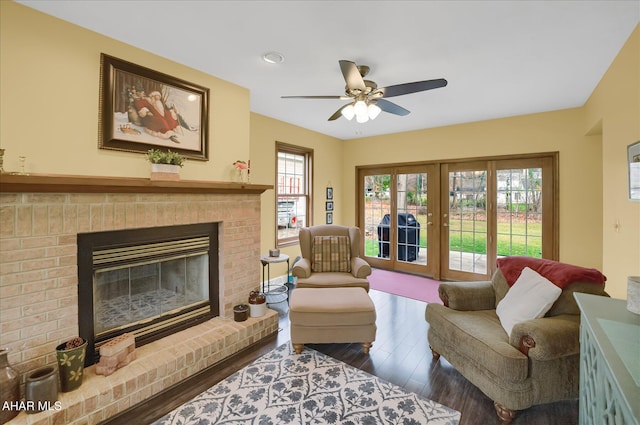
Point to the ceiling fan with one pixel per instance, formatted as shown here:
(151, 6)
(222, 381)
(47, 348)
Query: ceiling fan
(367, 100)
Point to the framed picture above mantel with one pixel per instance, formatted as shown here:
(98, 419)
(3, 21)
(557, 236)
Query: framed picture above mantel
(142, 109)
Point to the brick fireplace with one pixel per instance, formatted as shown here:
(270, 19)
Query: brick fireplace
(150, 282)
(41, 217)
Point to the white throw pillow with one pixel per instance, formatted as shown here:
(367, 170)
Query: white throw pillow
(530, 297)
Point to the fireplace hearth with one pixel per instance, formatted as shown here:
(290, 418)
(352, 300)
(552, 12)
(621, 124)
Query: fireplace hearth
(151, 282)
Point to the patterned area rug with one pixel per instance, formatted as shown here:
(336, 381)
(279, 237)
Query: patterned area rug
(311, 388)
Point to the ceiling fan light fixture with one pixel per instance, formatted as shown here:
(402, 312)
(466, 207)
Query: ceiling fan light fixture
(348, 112)
(366, 97)
(360, 108)
(362, 118)
(373, 111)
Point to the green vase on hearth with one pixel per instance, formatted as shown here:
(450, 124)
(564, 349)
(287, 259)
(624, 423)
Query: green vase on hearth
(71, 365)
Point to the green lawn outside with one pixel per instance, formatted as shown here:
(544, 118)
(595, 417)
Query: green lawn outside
(512, 239)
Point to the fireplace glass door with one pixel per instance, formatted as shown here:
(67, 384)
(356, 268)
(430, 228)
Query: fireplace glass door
(136, 293)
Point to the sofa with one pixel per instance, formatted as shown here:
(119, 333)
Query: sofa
(331, 258)
(538, 361)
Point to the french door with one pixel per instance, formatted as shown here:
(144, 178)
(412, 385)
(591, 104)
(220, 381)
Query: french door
(397, 210)
(464, 221)
(452, 220)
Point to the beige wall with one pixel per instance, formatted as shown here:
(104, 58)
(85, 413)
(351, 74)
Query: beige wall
(612, 113)
(49, 77)
(327, 154)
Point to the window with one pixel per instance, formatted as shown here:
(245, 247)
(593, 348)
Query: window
(293, 191)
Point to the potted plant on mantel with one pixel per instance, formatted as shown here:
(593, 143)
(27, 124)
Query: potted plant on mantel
(165, 165)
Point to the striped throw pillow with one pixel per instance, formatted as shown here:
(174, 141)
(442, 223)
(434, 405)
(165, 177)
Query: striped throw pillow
(331, 254)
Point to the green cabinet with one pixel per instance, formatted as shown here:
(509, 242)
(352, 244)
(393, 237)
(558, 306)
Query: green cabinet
(609, 362)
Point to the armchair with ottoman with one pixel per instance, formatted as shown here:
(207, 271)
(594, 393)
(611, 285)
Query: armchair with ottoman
(330, 303)
(515, 337)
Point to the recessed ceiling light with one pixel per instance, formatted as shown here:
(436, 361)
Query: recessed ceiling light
(273, 57)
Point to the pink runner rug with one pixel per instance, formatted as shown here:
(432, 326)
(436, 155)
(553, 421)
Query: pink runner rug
(406, 285)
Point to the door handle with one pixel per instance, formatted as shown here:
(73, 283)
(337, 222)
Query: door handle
(445, 224)
(429, 223)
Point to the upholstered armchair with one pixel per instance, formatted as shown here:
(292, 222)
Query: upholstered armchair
(331, 258)
(536, 362)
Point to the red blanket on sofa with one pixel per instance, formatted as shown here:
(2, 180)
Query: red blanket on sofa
(560, 274)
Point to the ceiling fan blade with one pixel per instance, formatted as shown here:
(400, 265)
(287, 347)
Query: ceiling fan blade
(352, 75)
(392, 108)
(316, 97)
(337, 114)
(408, 88)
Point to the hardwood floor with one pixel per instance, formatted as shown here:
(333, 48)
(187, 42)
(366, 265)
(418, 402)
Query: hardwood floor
(399, 355)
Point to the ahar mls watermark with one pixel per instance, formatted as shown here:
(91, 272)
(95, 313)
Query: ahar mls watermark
(32, 406)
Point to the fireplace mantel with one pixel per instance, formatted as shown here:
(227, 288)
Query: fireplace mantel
(59, 183)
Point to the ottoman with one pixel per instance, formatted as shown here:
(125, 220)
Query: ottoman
(331, 315)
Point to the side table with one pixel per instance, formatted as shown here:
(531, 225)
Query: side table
(274, 293)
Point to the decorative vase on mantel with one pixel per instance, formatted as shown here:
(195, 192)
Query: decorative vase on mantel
(9, 388)
(167, 172)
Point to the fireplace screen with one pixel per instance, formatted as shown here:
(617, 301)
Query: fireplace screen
(126, 295)
(149, 282)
